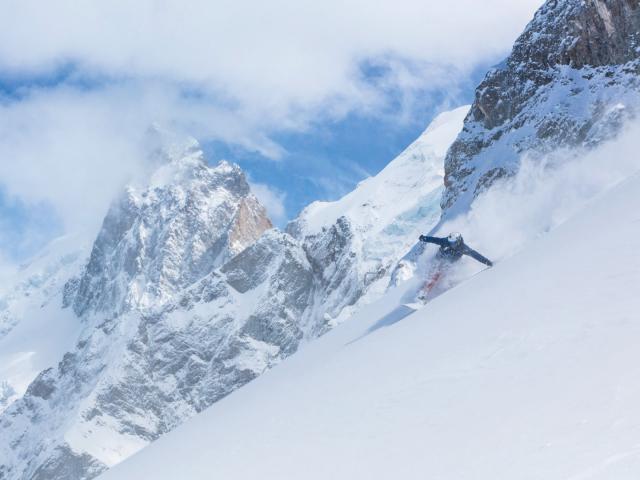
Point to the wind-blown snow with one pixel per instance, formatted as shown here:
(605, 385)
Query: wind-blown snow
(529, 371)
(545, 193)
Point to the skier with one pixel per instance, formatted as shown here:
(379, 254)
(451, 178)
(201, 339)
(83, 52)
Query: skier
(452, 248)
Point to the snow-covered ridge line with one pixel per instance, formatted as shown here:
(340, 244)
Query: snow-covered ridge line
(380, 199)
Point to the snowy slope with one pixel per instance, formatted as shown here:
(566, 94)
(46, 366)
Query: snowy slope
(526, 371)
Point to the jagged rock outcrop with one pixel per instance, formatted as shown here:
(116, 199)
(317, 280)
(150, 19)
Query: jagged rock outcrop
(572, 80)
(189, 220)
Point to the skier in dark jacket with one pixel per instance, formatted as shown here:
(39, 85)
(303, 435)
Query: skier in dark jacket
(452, 248)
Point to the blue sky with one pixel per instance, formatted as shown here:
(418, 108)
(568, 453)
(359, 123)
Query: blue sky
(309, 98)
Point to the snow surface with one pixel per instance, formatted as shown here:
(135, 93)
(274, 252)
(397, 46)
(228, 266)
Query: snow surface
(528, 370)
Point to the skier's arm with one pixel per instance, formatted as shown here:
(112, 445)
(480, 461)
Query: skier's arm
(475, 255)
(437, 240)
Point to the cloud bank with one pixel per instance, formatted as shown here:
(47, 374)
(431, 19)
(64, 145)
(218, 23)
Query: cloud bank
(83, 81)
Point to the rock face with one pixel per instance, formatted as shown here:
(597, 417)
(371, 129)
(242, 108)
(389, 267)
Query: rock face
(570, 81)
(157, 240)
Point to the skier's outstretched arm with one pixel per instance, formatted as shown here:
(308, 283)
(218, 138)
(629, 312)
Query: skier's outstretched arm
(475, 255)
(437, 240)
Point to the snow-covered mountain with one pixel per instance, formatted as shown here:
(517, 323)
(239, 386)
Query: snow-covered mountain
(188, 294)
(162, 237)
(571, 82)
(528, 370)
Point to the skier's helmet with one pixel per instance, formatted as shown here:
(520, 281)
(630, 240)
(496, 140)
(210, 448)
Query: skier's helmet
(455, 239)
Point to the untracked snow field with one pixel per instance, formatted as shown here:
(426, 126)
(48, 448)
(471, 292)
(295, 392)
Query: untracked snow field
(530, 370)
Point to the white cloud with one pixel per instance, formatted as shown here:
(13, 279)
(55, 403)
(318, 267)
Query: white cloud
(68, 148)
(272, 199)
(234, 71)
(75, 148)
(280, 60)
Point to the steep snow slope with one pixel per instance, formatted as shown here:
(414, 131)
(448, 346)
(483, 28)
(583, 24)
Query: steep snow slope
(526, 371)
(356, 242)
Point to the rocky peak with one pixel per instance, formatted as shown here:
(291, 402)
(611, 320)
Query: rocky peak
(570, 81)
(162, 235)
(591, 32)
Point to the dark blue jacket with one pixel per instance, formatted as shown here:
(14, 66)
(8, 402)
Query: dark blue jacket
(454, 252)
